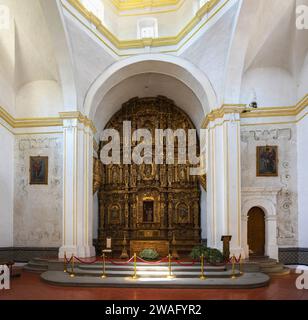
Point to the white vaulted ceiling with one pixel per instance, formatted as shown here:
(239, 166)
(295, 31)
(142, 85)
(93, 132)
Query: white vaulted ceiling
(27, 52)
(251, 44)
(149, 85)
(34, 51)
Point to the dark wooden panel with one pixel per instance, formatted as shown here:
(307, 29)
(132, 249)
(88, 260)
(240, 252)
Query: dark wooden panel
(256, 231)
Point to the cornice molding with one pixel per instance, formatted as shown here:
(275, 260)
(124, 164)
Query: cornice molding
(16, 123)
(29, 122)
(220, 113)
(212, 116)
(146, 42)
(264, 112)
(79, 117)
(138, 4)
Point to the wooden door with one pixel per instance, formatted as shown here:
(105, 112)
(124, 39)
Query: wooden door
(256, 231)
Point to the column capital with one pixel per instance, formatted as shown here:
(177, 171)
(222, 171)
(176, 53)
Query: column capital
(221, 112)
(77, 115)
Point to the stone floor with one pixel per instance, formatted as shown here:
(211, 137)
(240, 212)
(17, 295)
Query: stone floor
(30, 287)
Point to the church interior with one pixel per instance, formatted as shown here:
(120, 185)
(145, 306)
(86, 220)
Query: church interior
(74, 221)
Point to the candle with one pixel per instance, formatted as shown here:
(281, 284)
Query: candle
(108, 243)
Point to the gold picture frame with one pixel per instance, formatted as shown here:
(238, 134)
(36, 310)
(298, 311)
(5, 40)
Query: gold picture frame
(267, 161)
(38, 170)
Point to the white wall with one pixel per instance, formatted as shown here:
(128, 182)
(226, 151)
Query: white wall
(273, 87)
(32, 96)
(170, 23)
(303, 81)
(285, 137)
(38, 208)
(7, 99)
(302, 154)
(6, 187)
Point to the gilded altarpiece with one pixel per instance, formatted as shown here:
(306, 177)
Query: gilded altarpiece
(150, 201)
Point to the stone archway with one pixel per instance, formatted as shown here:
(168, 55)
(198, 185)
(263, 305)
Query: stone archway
(103, 98)
(266, 200)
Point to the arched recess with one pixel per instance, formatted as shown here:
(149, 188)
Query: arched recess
(175, 67)
(179, 71)
(269, 208)
(256, 231)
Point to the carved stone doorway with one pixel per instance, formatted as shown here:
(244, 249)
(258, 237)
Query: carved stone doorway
(256, 231)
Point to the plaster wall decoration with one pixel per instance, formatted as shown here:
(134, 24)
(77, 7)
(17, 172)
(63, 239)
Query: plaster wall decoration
(38, 208)
(283, 136)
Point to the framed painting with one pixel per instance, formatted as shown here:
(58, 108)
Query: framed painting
(267, 161)
(38, 170)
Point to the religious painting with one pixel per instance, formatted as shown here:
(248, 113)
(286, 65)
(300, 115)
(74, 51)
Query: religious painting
(182, 213)
(147, 171)
(267, 161)
(114, 215)
(148, 211)
(38, 170)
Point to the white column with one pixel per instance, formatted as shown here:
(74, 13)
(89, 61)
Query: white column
(244, 234)
(77, 186)
(271, 247)
(224, 180)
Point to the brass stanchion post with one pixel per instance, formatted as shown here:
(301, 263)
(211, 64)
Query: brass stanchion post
(134, 277)
(65, 267)
(72, 275)
(104, 276)
(233, 267)
(202, 277)
(241, 265)
(170, 275)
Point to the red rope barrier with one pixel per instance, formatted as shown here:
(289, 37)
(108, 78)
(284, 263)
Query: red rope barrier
(165, 259)
(120, 263)
(152, 262)
(86, 262)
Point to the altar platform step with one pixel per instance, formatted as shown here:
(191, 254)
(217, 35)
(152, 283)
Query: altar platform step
(266, 265)
(36, 265)
(244, 281)
(152, 271)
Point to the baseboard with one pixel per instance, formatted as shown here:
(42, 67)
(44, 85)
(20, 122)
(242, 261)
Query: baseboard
(293, 256)
(25, 254)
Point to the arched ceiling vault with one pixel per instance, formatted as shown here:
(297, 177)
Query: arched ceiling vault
(178, 69)
(149, 85)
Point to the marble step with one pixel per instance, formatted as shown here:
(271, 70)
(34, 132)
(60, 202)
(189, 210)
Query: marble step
(36, 265)
(279, 269)
(34, 269)
(248, 280)
(158, 273)
(286, 271)
(141, 267)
